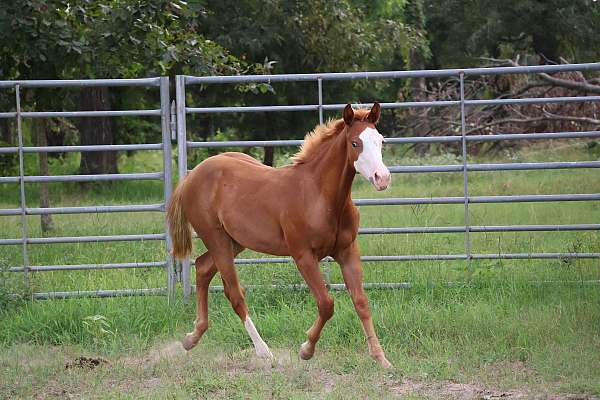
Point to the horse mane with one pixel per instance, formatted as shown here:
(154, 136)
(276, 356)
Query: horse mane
(322, 134)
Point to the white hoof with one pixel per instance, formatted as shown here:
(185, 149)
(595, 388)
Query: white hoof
(262, 351)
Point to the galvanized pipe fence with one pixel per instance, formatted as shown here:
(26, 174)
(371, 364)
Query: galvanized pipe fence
(181, 271)
(184, 145)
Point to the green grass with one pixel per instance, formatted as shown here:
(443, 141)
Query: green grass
(527, 325)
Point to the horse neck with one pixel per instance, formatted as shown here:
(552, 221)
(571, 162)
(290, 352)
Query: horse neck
(333, 172)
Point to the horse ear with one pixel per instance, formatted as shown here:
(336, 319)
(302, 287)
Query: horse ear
(348, 114)
(374, 114)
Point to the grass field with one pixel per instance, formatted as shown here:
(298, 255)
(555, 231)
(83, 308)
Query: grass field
(518, 328)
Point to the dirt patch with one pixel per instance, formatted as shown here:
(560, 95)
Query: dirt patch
(86, 363)
(162, 351)
(328, 380)
(52, 391)
(517, 370)
(467, 391)
(246, 361)
(453, 390)
(168, 350)
(573, 397)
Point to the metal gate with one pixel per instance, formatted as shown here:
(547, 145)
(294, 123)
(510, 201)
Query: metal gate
(182, 81)
(25, 241)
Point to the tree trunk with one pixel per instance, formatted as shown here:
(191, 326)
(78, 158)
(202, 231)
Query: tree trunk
(418, 86)
(269, 156)
(40, 129)
(264, 123)
(96, 130)
(415, 16)
(546, 46)
(56, 132)
(6, 134)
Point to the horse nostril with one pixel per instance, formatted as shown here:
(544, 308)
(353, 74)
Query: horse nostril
(377, 177)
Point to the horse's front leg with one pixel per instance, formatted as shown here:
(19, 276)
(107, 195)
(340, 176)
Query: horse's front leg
(308, 265)
(349, 260)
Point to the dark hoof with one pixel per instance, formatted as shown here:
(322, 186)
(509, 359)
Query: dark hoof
(189, 341)
(307, 351)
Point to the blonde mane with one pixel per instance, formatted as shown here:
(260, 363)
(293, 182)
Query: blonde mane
(321, 134)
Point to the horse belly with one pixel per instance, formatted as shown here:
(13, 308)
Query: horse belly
(255, 229)
(251, 218)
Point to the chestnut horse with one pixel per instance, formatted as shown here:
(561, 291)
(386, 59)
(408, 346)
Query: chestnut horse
(303, 210)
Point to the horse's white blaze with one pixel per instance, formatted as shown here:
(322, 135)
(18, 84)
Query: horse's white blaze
(370, 161)
(262, 350)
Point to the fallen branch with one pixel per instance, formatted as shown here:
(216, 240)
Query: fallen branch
(547, 117)
(586, 120)
(585, 86)
(581, 86)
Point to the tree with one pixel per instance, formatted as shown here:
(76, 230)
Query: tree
(303, 37)
(105, 39)
(40, 131)
(463, 31)
(419, 54)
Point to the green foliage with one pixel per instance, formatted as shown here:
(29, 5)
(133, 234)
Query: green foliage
(301, 37)
(99, 329)
(463, 31)
(13, 292)
(107, 39)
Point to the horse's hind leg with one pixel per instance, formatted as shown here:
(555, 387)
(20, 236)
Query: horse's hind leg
(223, 250)
(205, 271)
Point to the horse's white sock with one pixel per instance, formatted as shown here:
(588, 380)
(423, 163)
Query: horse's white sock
(262, 350)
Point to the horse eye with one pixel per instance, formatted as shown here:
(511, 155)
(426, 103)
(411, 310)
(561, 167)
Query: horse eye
(354, 144)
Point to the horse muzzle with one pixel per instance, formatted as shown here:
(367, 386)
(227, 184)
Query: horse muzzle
(381, 179)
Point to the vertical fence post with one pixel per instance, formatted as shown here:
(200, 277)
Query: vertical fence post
(320, 85)
(165, 116)
(22, 187)
(182, 164)
(465, 170)
(320, 92)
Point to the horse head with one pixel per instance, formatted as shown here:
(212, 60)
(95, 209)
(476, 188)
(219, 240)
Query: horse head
(364, 144)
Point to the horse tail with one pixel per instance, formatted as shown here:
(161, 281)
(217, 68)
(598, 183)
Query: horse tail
(180, 228)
